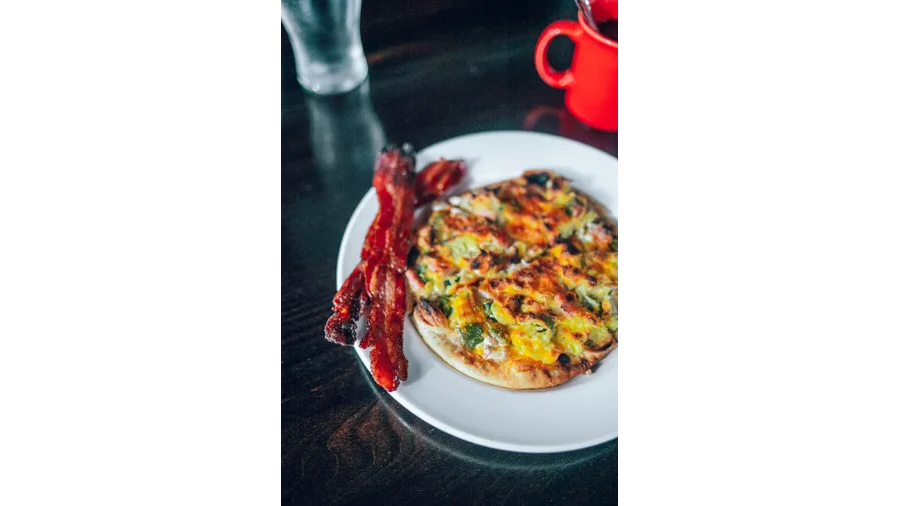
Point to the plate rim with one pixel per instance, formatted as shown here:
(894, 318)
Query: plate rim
(398, 395)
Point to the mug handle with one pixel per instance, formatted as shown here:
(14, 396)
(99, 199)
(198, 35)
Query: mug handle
(551, 76)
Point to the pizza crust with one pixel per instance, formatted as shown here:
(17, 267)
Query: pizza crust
(521, 374)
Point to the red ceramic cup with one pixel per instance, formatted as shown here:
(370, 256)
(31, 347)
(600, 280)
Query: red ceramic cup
(591, 84)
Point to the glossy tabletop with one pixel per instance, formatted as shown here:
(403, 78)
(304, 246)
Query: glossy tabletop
(437, 69)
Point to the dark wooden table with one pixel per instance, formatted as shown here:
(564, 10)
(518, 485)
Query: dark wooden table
(438, 69)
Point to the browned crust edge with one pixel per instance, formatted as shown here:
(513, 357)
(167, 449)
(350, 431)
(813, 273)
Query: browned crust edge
(515, 375)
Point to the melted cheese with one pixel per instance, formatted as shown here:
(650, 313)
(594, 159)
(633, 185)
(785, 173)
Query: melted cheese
(524, 269)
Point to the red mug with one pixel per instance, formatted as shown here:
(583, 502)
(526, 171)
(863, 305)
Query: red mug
(591, 84)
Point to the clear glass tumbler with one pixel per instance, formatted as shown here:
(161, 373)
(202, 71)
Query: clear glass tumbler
(326, 42)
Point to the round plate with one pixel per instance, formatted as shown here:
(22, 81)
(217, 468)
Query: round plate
(577, 414)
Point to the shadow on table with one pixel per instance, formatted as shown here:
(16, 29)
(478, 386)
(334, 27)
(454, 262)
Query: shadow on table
(483, 456)
(344, 131)
(329, 145)
(558, 121)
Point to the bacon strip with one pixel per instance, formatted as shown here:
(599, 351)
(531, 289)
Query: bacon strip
(435, 179)
(385, 328)
(347, 304)
(378, 283)
(385, 271)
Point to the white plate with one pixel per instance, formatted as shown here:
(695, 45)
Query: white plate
(577, 414)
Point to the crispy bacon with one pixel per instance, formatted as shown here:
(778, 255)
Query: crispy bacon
(385, 328)
(347, 305)
(394, 183)
(377, 284)
(435, 179)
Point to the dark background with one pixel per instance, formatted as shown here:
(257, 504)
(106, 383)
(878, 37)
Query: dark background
(437, 69)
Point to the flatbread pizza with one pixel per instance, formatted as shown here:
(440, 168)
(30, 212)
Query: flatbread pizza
(516, 284)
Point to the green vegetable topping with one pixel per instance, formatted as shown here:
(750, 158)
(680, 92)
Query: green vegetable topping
(498, 331)
(472, 334)
(589, 302)
(548, 320)
(488, 310)
(612, 323)
(420, 270)
(445, 306)
(463, 247)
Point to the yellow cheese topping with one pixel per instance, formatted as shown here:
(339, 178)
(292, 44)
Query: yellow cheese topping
(523, 268)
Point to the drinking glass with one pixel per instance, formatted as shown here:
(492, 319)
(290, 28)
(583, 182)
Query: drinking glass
(326, 42)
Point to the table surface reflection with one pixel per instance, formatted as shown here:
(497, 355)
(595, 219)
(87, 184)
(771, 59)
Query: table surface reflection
(437, 69)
